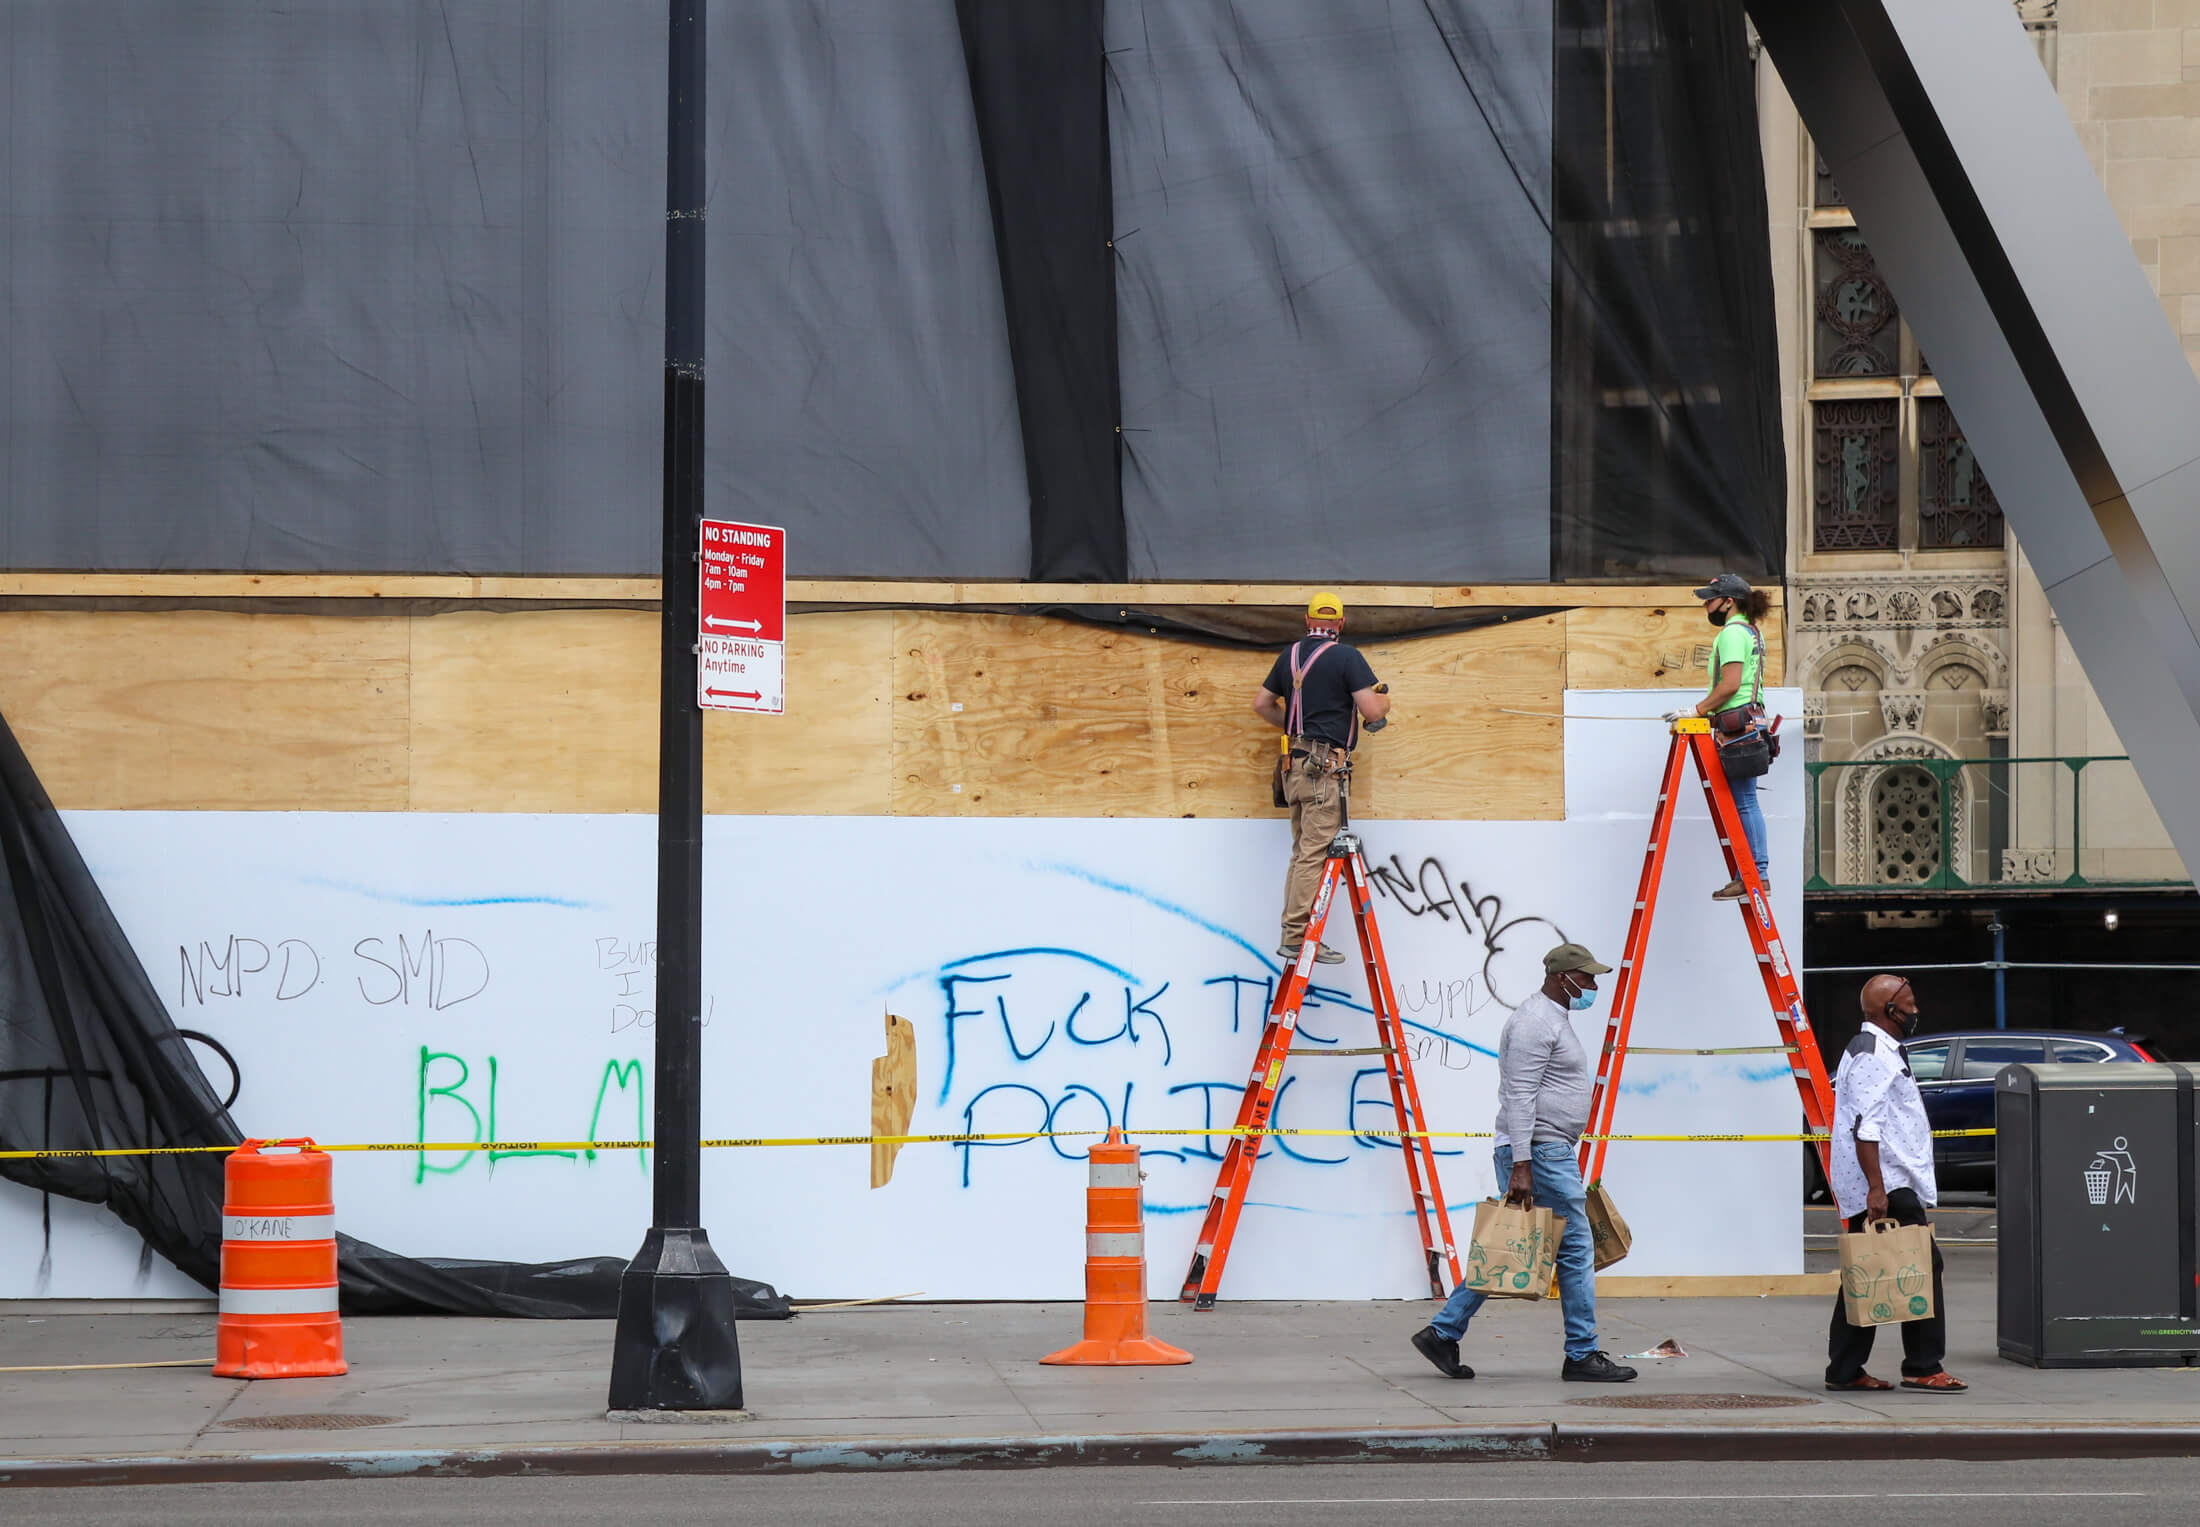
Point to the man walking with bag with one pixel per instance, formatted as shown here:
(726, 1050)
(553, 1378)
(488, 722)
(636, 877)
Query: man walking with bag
(1883, 1169)
(1543, 1088)
(1318, 693)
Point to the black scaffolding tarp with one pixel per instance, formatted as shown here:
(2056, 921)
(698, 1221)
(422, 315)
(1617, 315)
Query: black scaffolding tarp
(1096, 290)
(1342, 291)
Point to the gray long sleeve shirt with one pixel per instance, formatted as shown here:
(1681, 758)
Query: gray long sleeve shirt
(1543, 1077)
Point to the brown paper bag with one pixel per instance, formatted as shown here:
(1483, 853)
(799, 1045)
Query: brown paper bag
(1887, 1273)
(1607, 1227)
(1513, 1252)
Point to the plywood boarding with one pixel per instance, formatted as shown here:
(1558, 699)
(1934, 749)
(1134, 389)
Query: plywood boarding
(883, 592)
(554, 710)
(1652, 647)
(206, 711)
(557, 711)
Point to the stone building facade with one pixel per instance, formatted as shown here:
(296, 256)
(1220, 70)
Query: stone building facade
(1963, 747)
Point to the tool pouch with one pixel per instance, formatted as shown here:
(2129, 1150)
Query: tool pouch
(1745, 756)
(1275, 780)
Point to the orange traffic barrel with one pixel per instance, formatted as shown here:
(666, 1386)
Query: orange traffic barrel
(1115, 1267)
(278, 1315)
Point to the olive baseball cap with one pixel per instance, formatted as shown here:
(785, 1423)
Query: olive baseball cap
(1568, 957)
(1325, 606)
(1725, 586)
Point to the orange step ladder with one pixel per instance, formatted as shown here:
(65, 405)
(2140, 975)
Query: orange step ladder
(1346, 870)
(1692, 740)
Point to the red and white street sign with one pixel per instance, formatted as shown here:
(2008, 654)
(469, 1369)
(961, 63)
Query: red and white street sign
(741, 640)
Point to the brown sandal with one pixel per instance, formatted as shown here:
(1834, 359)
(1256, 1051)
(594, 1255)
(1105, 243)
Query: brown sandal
(1942, 1382)
(1862, 1381)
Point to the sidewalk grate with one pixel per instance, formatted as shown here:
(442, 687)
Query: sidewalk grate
(1698, 1401)
(309, 1421)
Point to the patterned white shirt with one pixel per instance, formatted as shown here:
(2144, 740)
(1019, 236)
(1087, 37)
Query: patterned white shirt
(1876, 1098)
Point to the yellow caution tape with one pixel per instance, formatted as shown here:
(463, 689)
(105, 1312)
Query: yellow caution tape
(767, 1141)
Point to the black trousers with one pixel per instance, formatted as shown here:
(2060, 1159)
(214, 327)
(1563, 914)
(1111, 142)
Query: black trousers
(1924, 1342)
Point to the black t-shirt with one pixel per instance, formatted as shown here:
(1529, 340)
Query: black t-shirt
(1328, 688)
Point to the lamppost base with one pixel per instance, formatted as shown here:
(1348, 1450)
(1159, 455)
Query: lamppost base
(675, 1347)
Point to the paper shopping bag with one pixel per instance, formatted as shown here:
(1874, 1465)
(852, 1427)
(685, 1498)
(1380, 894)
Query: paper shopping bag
(1887, 1273)
(1607, 1227)
(1514, 1250)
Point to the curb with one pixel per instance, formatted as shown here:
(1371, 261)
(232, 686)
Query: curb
(1544, 1443)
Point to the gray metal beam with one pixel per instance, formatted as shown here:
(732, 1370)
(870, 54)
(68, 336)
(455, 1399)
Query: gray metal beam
(1953, 151)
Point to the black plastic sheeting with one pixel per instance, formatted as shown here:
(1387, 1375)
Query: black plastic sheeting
(1335, 288)
(90, 1060)
(1399, 290)
(1037, 84)
(1666, 457)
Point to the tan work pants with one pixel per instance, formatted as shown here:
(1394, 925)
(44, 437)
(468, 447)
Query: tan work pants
(1317, 816)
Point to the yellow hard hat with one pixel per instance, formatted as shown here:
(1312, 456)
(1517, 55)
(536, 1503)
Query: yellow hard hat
(1325, 606)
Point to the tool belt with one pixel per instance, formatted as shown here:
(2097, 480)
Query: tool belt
(1320, 758)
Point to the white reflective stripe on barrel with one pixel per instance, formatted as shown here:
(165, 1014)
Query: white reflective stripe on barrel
(1113, 1174)
(278, 1227)
(278, 1301)
(1100, 1243)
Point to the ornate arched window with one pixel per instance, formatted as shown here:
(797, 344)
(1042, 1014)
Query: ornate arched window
(1905, 842)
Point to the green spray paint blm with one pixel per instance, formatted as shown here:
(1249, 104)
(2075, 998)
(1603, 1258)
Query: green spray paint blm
(451, 1091)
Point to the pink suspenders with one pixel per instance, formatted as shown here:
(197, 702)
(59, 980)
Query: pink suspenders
(1295, 717)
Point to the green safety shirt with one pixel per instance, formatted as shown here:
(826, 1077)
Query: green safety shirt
(1736, 643)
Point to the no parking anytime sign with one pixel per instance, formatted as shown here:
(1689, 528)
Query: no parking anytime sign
(741, 640)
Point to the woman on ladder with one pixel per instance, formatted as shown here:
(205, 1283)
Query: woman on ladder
(1736, 703)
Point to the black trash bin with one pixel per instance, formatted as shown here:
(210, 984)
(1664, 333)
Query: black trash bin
(2094, 1172)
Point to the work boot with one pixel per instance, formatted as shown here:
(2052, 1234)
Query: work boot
(1442, 1351)
(1733, 890)
(1596, 1368)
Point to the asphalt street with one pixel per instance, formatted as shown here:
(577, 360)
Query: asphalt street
(2041, 1494)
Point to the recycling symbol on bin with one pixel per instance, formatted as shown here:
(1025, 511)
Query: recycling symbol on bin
(2112, 1177)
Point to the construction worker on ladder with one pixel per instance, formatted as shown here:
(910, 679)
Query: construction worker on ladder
(1736, 701)
(1317, 694)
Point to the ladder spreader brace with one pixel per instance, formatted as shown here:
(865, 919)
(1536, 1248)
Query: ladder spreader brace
(1347, 869)
(1692, 740)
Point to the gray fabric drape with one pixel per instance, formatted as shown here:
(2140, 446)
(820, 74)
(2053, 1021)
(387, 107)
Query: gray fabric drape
(1332, 231)
(376, 287)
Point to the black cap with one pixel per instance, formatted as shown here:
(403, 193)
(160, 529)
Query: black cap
(1725, 586)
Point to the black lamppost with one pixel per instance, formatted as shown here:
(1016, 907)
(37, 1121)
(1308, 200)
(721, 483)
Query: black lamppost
(675, 1348)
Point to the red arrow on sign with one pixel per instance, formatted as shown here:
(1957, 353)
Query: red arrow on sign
(732, 694)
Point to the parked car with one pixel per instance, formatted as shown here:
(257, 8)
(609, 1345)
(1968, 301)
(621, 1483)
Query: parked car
(1955, 1075)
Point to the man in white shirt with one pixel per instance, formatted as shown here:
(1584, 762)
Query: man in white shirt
(1883, 1169)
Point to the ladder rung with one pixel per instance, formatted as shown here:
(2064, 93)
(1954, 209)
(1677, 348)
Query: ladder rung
(1368, 1050)
(1732, 1050)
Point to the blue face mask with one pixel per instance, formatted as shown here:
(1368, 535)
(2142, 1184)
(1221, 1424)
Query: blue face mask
(1582, 1001)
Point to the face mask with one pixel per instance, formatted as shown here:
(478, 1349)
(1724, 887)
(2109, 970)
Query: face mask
(1582, 1001)
(1906, 1022)
(1716, 617)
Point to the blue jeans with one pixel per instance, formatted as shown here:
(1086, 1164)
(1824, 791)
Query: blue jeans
(1557, 1177)
(1753, 820)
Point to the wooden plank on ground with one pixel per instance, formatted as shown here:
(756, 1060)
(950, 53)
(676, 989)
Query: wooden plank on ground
(1767, 1285)
(209, 711)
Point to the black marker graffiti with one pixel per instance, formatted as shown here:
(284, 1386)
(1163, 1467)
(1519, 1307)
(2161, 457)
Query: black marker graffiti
(1511, 951)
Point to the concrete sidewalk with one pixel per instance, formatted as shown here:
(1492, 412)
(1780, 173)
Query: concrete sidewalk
(914, 1385)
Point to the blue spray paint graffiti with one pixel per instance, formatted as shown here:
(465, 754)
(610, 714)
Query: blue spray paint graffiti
(1013, 1022)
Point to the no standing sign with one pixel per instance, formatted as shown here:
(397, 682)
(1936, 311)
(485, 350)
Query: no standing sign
(741, 642)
